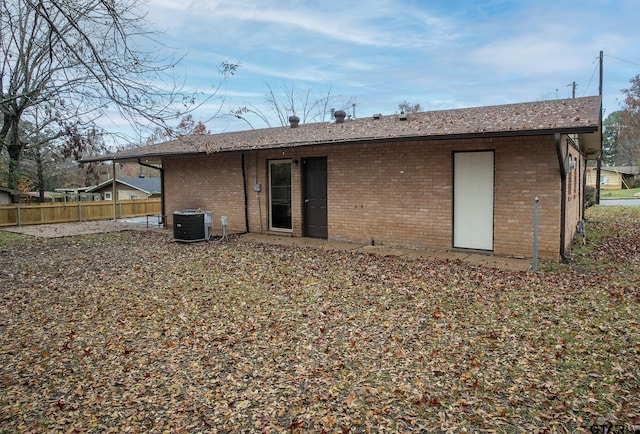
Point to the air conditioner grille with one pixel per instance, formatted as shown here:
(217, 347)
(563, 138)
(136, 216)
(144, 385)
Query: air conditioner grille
(190, 226)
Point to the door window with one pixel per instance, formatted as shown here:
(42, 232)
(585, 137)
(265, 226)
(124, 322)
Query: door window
(280, 195)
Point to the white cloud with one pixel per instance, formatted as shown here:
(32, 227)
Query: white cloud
(379, 24)
(440, 54)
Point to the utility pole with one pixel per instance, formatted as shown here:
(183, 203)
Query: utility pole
(599, 161)
(601, 71)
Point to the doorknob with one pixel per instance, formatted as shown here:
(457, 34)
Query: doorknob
(306, 201)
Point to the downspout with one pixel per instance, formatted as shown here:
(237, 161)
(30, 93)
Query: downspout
(246, 200)
(114, 190)
(563, 197)
(257, 189)
(161, 170)
(584, 189)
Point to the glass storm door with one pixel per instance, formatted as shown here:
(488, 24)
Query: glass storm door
(280, 195)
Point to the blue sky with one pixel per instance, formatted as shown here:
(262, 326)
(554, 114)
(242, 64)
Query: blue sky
(440, 54)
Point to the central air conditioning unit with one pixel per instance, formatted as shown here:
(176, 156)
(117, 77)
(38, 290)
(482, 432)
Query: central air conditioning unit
(190, 225)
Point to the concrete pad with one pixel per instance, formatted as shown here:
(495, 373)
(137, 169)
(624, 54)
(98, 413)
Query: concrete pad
(57, 230)
(103, 226)
(286, 240)
(475, 258)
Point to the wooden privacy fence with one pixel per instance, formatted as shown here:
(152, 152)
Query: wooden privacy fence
(42, 213)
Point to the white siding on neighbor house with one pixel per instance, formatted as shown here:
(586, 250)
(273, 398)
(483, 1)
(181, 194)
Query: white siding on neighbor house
(5, 198)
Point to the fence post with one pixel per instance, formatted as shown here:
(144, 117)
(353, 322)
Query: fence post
(114, 190)
(534, 265)
(63, 212)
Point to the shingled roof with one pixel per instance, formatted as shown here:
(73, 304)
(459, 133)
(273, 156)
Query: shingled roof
(577, 115)
(146, 185)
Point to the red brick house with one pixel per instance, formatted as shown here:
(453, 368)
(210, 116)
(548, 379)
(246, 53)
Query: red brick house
(452, 179)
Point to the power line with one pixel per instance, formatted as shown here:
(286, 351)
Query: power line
(597, 62)
(623, 60)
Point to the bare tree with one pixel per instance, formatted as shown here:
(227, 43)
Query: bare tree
(36, 167)
(288, 101)
(85, 143)
(185, 128)
(75, 59)
(40, 150)
(406, 107)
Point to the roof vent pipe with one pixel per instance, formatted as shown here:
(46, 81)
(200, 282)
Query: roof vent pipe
(340, 115)
(294, 121)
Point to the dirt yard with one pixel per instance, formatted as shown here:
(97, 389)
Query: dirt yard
(79, 228)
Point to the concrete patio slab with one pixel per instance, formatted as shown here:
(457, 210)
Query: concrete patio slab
(103, 226)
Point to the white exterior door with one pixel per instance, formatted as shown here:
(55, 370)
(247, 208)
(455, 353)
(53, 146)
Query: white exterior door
(473, 200)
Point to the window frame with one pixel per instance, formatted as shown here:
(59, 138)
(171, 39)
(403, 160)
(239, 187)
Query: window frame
(271, 196)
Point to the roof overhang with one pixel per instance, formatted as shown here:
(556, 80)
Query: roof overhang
(145, 160)
(576, 117)
(591, 144)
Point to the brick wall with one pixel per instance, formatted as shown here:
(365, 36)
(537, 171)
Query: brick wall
(527, 168)
(392, 193)
(208, 182)
(575, 190)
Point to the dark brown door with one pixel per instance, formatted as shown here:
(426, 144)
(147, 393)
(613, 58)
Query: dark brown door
(314, 198)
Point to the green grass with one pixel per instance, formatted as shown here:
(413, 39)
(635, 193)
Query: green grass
(625, 193)
(9, 239)
(610, 247)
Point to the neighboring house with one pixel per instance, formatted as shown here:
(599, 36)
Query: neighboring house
(614, 177)
(7, 195)
(453, 179)
(34, 196)
(129, 188)
(75, 194)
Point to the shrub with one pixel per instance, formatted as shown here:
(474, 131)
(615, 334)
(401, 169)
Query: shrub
(589, 196)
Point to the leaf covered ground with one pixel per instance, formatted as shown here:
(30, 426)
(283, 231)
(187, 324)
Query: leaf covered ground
(131, 332)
